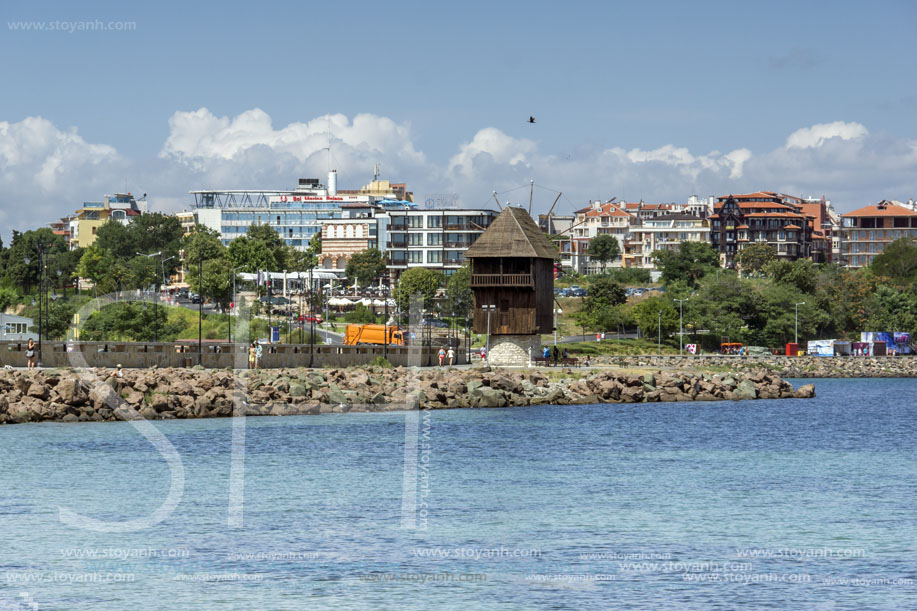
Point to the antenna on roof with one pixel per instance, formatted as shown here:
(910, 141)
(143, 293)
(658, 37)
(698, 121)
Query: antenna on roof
(498, 201)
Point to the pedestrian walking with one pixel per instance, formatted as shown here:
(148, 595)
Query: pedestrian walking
(442, 355)
(251, 356)
(259, 352)
(451, 356)
(556, 355)
(547, 353)
(483, 354)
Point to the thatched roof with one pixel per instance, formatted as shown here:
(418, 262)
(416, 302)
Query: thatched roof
(512, 234)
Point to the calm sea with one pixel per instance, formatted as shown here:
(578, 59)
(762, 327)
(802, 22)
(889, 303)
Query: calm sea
(802, 504)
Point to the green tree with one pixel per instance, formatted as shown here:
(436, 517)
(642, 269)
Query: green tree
(604, 249)
(599, 309)
(891, 309)
(417, 280)
(157, 232)
(95, 264)
(801, 273)
(366, 266)
(143, 271)
(690, 262)
(216, 283)
(24, 276)
(202, 243)
(459, 298)
(898, 262)
(646, 314)
(8, 297)
(361, 314)
(754, 257)
(117, 240)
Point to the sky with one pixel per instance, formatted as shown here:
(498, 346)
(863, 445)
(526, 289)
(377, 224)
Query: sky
(651, 100)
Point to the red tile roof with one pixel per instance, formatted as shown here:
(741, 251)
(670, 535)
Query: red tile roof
(881, 209)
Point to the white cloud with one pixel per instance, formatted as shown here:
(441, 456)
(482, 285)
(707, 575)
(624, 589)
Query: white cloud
(489, 146)
(35, 152)
(818, 134)
(46, 171)
(200, 139)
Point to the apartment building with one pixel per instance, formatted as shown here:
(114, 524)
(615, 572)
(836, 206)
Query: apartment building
(664, 232)
(598, 218)
(867, 231)
(85, 222)
(764, 217)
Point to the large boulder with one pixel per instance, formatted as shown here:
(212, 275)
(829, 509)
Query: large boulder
(71, 391)
(746, 390)
(103, 395)
(806, 391)
(486, 396)
(38, 390)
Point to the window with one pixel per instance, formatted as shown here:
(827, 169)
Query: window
(434, 239)
(434, 256)
(415, 239)
(415, 256)
(415, 222)
(434, 221)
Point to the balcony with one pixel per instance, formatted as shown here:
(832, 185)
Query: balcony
(483, 280)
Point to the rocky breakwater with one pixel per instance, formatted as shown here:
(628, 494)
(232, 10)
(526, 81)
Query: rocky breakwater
(160, 394)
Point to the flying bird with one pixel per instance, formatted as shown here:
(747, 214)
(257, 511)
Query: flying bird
(531, 119)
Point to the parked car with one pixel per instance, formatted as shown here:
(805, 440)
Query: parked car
(317, 319)
(435, 322)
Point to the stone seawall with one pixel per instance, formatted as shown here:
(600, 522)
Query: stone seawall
(69, 395)
(784, 366)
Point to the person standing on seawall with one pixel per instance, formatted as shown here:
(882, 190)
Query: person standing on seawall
(30, 353)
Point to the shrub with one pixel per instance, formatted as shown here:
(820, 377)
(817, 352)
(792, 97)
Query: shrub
(381, 361)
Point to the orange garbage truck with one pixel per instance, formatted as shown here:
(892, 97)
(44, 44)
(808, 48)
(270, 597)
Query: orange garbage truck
(373, 334)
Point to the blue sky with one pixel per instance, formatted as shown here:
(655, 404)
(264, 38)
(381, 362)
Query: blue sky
(634, 100)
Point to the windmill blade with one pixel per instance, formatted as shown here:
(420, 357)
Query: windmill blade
(556, 199)
(531, 193)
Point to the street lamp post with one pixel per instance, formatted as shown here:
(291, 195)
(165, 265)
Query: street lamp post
(659, 331)
(681, 328)
(488, 309)
(796, 334)
(156, 285)
(312, 317)
(41, 248)
(200, 309)
(557, 311)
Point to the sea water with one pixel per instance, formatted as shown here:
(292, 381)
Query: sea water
(808, 504)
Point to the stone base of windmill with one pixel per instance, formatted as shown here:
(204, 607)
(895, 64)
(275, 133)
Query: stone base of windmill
(513, 350)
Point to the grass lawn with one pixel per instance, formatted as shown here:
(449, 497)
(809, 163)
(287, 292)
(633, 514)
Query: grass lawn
(622, 347)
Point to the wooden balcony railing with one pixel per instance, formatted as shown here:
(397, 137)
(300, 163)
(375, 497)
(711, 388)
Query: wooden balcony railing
(481, 280)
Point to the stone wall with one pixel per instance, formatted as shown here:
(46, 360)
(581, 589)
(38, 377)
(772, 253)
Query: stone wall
(85, 395)
(214, 355)
(513, 350)
(785, 366)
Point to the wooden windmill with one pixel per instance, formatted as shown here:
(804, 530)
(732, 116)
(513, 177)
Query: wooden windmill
(512, 278)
